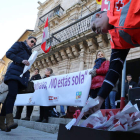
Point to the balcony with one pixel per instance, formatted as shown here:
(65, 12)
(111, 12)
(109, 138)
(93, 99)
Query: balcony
(73, 30)
(57, 11)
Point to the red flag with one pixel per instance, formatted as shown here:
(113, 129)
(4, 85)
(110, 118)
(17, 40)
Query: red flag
(44, 46)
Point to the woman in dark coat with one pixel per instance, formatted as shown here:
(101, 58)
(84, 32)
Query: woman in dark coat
(29, 109)
(19, 53)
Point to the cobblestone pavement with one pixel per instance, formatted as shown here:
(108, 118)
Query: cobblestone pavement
(22, 133)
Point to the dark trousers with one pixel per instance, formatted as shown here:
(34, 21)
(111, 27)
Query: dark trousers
(93, 94)
(8, 105)
(44, 111)
(117, 59)
(28, 111)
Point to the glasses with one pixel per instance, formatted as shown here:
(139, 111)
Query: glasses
(33, 42)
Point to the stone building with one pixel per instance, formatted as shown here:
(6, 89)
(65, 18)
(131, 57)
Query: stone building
(74, 45)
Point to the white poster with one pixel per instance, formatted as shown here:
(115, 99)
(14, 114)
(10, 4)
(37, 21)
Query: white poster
(68, 89)
(31, 61)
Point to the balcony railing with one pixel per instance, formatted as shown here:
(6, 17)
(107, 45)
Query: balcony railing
(56, 11)
(80, 26)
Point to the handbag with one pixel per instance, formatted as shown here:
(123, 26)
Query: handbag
(29, 89)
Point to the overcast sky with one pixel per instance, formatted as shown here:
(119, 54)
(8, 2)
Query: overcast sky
(15, 17)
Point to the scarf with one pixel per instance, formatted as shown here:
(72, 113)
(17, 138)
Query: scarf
(46, 76)
(98, 62)
(27, 46)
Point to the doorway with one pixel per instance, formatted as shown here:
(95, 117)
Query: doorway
(133, 68)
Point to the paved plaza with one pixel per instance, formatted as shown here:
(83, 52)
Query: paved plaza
(22, 133)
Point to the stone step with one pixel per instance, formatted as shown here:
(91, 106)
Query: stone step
(54, 120)
(51, 127)
(46, 127)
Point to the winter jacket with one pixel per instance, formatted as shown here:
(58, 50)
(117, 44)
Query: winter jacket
(97, 81)
(139, 82)
(35, 77)
(132, 83)
(124, 16)
(17, 53)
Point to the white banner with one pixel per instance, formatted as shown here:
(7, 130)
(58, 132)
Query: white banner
(69, 89)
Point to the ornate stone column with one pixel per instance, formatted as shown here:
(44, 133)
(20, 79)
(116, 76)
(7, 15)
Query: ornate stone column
(92, 44)
(58, 56)
(69, 53)
(53, 59)
(75, 50)
(35, 65)
(64, 64)
(63, 54)
(109, 37)
(39, 64)
(102, 41)
(44, 63)
(49, 62)
(32, 68)
(82, 55)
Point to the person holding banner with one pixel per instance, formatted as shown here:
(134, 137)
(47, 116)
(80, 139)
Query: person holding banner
(19, 53)
(122, 21)
(44, 110)
(98, 73)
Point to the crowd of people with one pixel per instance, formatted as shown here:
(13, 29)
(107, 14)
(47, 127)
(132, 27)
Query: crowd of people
(98, 73)
(123, 26)
(45, 112)
(19, 53)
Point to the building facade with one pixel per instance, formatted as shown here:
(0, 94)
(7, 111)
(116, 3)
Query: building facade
(73, 43)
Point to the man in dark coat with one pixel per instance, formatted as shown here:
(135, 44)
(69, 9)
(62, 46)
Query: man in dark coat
(129, 84)
(44, 110)
(19, 53)
(36, 76)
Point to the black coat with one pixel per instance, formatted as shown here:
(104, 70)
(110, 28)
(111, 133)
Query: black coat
(139, 82)
(17, 53)
(134, 84)
(35, 77)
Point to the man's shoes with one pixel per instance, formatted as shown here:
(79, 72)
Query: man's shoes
(26, 118)
(45, 121)
(39, 120)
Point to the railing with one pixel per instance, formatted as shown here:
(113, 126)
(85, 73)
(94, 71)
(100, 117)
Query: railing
(56, 11)
(80, 26)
